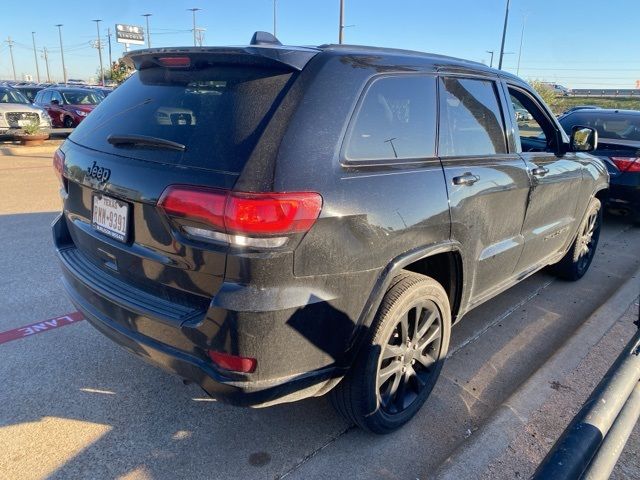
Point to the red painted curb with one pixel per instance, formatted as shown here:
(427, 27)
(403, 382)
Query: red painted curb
(39, 327)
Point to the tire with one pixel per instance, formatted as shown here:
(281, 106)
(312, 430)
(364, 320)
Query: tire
(577, 260)
(68, 122)
(382, 394)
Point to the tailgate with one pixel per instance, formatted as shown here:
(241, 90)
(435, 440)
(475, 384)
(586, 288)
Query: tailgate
(153, 257)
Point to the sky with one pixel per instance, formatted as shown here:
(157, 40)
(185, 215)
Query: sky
(576, 43)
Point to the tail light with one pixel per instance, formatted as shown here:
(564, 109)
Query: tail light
(179, 62)
(263, 220)
(58, 165)
(627, 164)
(234, 363)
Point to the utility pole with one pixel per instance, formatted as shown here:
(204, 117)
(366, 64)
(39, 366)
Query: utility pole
(504, 34)
(200, 36)
(13, 66)
(109, 37)
(99, 47)
(45, 55)
(341, 26)
(274, 17)
(64, 69)
(491, 62)
(194, 10)
(35, 55)
(524, 22)
(147, 15)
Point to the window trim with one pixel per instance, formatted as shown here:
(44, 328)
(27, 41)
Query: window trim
(497, 91)
(346, 162)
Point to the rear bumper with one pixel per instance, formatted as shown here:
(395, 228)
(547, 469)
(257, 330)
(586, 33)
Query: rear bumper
(625, 198)
(175, 337)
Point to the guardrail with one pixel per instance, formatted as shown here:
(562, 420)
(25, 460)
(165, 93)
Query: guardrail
(605, 92)
(592, 443)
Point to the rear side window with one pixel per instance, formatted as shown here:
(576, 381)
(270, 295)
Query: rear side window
(217, 112)
(396, 119)
(470, 118)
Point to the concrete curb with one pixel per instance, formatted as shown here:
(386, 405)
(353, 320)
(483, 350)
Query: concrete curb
(489, 442)
(22, 151)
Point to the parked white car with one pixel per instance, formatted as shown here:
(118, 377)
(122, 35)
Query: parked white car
(17, 112)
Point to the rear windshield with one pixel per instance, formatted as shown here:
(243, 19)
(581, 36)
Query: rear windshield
(218, 113)
(620, 126)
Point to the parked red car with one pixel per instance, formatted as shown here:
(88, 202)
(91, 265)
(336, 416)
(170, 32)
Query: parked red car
(66, 106)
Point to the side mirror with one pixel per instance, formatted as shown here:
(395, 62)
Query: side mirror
(583, 139)
(55, 102)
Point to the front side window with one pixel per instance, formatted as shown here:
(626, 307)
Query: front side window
(470, 119)
(56, 96)
(396, 119)
(534, 129)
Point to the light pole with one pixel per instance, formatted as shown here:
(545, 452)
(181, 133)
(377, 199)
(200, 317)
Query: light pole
(524, 22)
(491, 62)
(99, 47)
(504, 34)
(13, 66)
(194, 10)
(45, 55)
(35, 55)
(109, 39)
(147, 15)
(64, 70)
(341, 26)
(274, 17)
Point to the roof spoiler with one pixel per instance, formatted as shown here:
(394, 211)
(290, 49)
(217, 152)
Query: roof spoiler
(265, 50)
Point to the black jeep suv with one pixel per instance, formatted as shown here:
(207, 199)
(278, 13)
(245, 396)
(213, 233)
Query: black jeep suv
(278, 222)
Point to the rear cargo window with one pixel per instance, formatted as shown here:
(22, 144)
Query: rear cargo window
(218, 113)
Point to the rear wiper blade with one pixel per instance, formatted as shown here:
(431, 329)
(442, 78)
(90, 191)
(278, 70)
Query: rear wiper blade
(144, 141)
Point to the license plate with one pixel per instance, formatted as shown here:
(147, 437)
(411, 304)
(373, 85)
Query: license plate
(23, 123)
(110, 216)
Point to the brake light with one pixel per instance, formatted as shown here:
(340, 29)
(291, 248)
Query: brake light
(239, 217)
(175, 61)
(234, 363)
(58, 164)
(627, 164)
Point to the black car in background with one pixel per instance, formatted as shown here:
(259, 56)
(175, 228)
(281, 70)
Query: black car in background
(29, 91)
(619, 148)
(580, 107)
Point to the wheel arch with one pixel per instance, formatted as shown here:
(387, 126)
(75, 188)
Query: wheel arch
(443, 261)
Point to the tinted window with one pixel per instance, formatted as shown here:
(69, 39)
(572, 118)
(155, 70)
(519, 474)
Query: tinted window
(56, 96)
(80, 97)
(396, 119)
(218, 113)
(611, 126)
(43, 97)
(470, 118)
(9, 95)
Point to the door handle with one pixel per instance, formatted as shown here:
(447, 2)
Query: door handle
(540, 171)
(466, 178)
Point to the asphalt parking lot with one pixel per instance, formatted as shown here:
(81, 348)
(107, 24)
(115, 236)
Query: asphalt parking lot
(74, 405)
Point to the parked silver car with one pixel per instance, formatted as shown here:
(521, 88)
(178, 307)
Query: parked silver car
(17, 112)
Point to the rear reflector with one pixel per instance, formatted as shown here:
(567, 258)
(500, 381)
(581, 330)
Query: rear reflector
(175, 61)
(58, 163)
(238, 217)
(627, 164)
(234, 363)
